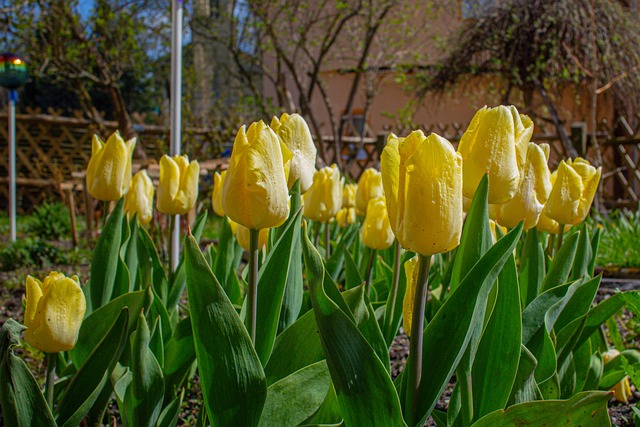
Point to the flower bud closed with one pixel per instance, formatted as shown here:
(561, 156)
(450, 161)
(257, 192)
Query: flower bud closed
(369, 187)
(54, 313)
(324, 198)
(349, 195)
(294, 132)
(346, 217)
(178, 186)
(139, 199)
(495, 143)
(109, 169)
(376, 231)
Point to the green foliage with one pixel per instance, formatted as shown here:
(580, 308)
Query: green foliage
(50, 221)
(30, 252)
(620, 241)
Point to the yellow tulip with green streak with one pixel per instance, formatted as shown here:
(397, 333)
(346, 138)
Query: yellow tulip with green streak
(178, 186)
(422, 179)
(324, 199)
(376, 231)
(495, 143)
(109, 169)
(139, 199)
(54, 311)
(369, 187)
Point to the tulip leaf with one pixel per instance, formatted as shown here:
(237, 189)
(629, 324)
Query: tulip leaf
(595, 242)
(233, 382)
(496, 362)
(364, 389)
(96, 325)
(179, 355)
(583, 255)
(532, 268)
(561, 265)
(582, 362)
(295, 398)
(583, 409)
(335, 263)
(393, 310)
(93, 375)
(169, 415)
(22, 402)
(579, 304)
(225, 265)
(158, 275)
(131, 253)
(106, 257)
(599, 314)
(272, 280)
(453, 325)
(525, 388)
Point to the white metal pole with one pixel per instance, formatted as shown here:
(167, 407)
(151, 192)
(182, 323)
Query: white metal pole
(13, 95)
(176, 111)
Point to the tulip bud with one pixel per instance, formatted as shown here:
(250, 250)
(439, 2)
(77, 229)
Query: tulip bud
(54, 313)
(109, 169)
(216, 196)
(324, 198)
(422, 179)
(178, 186)
(255, 192)
(369, 187)
(139, 199)
(244, 238)
(349, 195)
(575, 186)
(294, 132)
(495, 143)
(533, 191)
(346, 217)
(376, 231)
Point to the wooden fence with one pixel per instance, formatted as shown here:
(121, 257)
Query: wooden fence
(50, 148)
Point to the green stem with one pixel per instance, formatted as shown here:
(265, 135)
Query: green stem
(552, 238)
(463, 377)
(172, 268)
(316, 238)
(397, 253)
(414, 364)
(372, 258)
(560, 237)
(327, 239)
(252, 294)
(48, 387)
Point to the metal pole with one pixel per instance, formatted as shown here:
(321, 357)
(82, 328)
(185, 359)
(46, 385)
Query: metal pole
(13, 97)
(176, 111)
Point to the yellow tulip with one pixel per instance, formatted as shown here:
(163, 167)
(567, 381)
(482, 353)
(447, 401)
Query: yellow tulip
(178, 186)
(369, 187)
(242, 235)
(376, 231)
(575, 186)
(255, 192)
(496, 143)
(139, 199)
(346, 217)
(422, 179)
(294, 132)
(233, 225)
(622, 389)
(349, 195)
(54, 313)
(109, 169)
(492, 227)
(216, 197)
(533, 191)
(324, 198)
(411, 272)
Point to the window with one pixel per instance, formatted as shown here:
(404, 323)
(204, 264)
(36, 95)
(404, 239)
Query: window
(472, 9)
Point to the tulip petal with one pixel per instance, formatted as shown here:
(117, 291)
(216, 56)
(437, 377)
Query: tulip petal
(34, 293)
(390, 168)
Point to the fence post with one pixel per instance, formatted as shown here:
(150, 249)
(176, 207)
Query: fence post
(579, 137)
(381, 141)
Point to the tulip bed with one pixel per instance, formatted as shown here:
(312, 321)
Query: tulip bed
(299, 334)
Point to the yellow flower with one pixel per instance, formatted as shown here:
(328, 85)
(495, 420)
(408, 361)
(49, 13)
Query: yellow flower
(533, 192)
(55, 309)
(376, 231)
(411, 272)
(109, 169)
(369, 187)
(346, 217)
(324, 198)
(216, 197)
(242, 235)
(575, 185)
(139, 199)
(294, 132)
(423, 185)
(349, 195)
(622, 389)
(496, 143)
(492, 227)
(255, 192)
(178, 186)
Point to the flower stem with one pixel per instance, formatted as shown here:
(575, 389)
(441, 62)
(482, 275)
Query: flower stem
(552, 238)
(174, 236)
(560, 237)
(252, 295)
(48, 387)
(372, 259)
(414, 364)
(327, 239)
(316, 238)
(397, 252)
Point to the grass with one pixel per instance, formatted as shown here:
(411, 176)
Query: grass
(620, 241)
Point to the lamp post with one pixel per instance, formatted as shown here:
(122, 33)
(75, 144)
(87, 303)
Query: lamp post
(13, 74)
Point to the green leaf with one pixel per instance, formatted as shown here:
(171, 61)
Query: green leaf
(352, 277)
(158, 275)
(496, 361)
(561, 265)
(169, 415)
(583, 255)
(525, 388)
(365, 392)
(225, 265)
(595, 242)
(179, 355)
(579, 303)
(23, 404)
(583, 409)
(453, 325)
(599, 314)
(93, 375)
(393, 311)
(336, 261)
(272, 280)
(148, 383)
(632, 301)
(295, 398)
(233, 383)
(106, 257)
(531, 267)
(131, 253)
